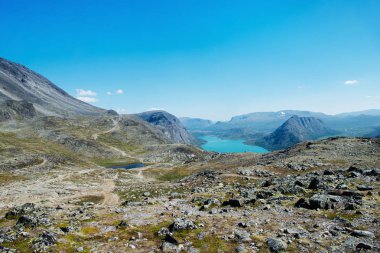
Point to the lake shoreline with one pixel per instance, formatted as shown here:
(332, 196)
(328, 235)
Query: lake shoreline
(216, 144)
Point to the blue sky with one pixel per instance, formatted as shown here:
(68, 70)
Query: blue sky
(210, 59)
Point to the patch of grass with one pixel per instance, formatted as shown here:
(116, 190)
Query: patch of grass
(6, 178)
(214, 244)
(33, 162)
(11, 144)
(174, 174)
(90, 230)
(65, 247)
(348, 216)
(21, 245)
(90, 198)
(113, 141)
(116, 162)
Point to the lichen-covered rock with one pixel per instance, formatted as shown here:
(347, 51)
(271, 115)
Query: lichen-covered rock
(44, 241)
(182, 224)
(276, 245)
(323, 201)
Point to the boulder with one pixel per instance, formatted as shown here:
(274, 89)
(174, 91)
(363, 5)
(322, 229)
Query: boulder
(302, 203)
(182, 224)
(242, 235)
(365, 187)
(315, 184)
(233, 203)
(363, 246)
(362, 233)
(276, 245)
(27, 221)
(322, 201)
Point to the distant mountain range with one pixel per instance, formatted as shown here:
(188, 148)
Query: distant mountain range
(255, 126)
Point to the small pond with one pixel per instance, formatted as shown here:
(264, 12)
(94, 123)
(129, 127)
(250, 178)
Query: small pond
(129, 166)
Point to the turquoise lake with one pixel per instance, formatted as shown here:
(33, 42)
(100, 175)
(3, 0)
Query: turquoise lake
(229, 146)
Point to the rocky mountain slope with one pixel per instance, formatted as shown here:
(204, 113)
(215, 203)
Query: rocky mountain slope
(169, 125)
(101, 136)
(296, 130)
(20, 83)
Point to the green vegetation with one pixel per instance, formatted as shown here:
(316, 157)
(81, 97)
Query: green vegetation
(7, 178)
(116, 162)
(90, 230)
(11, 144)
(214, 244)
(345, 215)
(91, 198)
(173, 174)
(21, 245)
(117, 141)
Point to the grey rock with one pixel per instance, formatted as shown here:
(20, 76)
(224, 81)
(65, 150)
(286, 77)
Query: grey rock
(168, 247)
(163, 231)
(27, 221)
(362, 233)
(233, 203)
(13, 110)
(276, 245)
(193, 250)
(122, 224)
(365, 187)
(242, 235)
(322, 201)
(182, 224)
(201, 235)
(364, 246)
(45, 240)
(241, 249)
(315, 184)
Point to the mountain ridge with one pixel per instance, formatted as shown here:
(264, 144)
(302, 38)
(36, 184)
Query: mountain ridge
(296, 130)
(169, 125)
(18, 83)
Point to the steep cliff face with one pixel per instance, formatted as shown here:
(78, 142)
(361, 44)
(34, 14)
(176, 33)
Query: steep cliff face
(169, 125)
(20, 83)
(296, 130)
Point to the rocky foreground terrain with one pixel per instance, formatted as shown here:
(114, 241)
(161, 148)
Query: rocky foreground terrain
(316, 197)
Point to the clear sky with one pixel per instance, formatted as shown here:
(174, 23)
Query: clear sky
(210, 59)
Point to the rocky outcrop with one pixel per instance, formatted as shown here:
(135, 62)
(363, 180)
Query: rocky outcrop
(12, 109)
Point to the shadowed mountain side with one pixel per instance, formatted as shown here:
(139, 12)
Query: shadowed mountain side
(295, 130)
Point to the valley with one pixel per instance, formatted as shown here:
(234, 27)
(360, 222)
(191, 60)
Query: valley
(85, 179)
